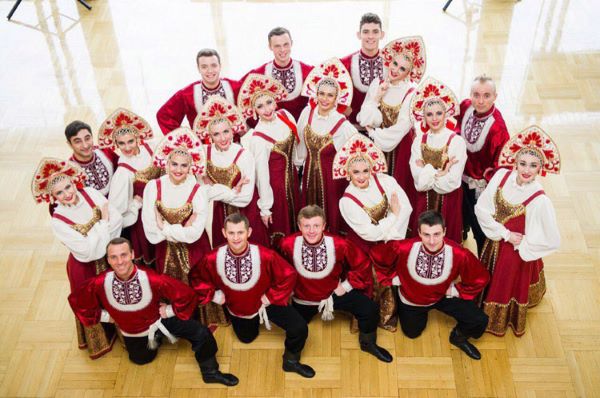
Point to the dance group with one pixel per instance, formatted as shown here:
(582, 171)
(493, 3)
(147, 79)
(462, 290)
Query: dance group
(344, 187)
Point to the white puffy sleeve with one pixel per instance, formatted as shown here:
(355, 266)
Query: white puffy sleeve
(121, 196)
(261, 150)
(452, 180)
(485, 208)
(541, 230)
(390, 185)
(225, 194)
(369, 114)
(190, 234)
(301, 150)
(388, 138)
(343, 134)
(153, 233)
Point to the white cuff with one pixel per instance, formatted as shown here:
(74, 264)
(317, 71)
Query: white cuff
(104, 316)
(396, 281)
(218, 297)
(347, 286)
(266, 298)
(506, 234)
(265, 213)
(453, 291)
(169, 311)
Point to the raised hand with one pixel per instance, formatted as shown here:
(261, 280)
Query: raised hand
(243, 181)
(383, 88)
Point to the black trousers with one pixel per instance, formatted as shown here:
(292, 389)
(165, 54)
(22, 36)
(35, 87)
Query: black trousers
(286, 317)
(472, 321)
(365, 310)
(469, 218)
(203, 343)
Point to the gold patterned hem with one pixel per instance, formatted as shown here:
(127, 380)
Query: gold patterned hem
(177, 261)
(213, 314)
(388, 308)
(98, 343)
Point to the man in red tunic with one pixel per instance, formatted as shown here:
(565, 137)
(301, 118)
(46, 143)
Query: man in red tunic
(427, 271)
(254, 284)
(332, 274)
(188, 101)
(99, 164)
(134, 298)
(366, 64)
(485, 133)
(289, 72)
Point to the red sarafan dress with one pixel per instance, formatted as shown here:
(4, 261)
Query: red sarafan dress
(282, 194)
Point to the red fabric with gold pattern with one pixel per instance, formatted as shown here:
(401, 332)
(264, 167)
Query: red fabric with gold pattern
(121, 119)
(414, 47)
(50, 168)
(254, 86)
(536, 139)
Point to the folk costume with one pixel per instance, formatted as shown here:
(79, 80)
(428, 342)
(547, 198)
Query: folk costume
(100, 169)
(506, 206)
(178, 246)
(321, 136)
(390, 116)
(225, 169)
(82, 230)
(133, 305)
(435, 149)
(485, 135)
(273, 143)
(188, 103)
(291, 77)
(132, 175)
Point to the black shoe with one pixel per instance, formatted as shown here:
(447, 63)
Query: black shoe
(291, 363)
(367, 344)
(297, 367)
(459, 340)
(215, 376)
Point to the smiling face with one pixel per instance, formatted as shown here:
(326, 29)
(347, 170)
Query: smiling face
(281, 46)
(432, 236)
(528, 167)
(265, 107)
(326, 98)
(399, 68)
(120, 258)
(64, 191)
(178, 167)
(483, 96)
(312, 229)
(127, 144)
(370, 35)
(82, 145)
(221, 134)
(435, 116)
(237, 236)
(360, 173)
(210, 70)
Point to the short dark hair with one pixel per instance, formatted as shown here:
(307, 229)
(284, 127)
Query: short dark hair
(369, 18)
(207, 52)
(74, 127)
(278, 31)
(310, 212)
(119, 241)
(431, 218)
(236, 218)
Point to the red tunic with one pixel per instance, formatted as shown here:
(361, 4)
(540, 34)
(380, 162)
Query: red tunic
(363, 70)
(188, 101)
(244, 279)
(318, 186)
(284, 181)
(485, 136)
(425, 278)
(292, 78)
(99, 169)
(133, 304)
(141, 246)
(321, 267)
(516, 284)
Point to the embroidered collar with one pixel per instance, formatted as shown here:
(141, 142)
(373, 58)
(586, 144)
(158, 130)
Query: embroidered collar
(287, 66)
(433, 253)
(484, 115)
(83, 162)
(242, 254)
(211, 90)
(363, 55)
(131, 277)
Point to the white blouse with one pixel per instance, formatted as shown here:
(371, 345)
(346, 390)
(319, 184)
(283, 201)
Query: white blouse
(322, 125)
(425, 178)
(220, 192)
(391, 227)
(541, 230)
(93, 246)
(174, 196)
(121, 186)
(370, 115)
(261, 150)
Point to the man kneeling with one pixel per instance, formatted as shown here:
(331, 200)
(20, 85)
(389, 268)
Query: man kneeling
(134, 298)
(322, 260)
(426, 269)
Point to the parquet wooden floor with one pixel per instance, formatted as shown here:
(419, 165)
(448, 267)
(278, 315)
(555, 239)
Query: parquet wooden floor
(60, 62)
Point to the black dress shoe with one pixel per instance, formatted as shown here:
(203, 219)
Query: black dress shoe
(297, 367)
(367, 344)
(216, 376)
(459, 340)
